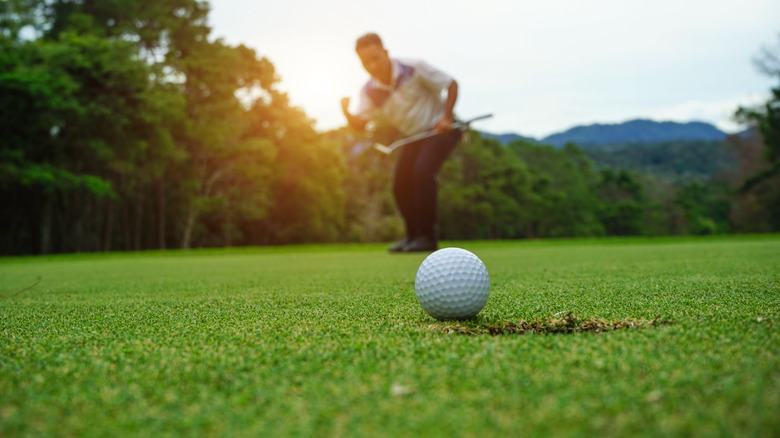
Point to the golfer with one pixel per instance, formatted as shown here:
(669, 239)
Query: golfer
(413, 97)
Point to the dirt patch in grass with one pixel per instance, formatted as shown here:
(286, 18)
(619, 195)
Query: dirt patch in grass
(565, 323)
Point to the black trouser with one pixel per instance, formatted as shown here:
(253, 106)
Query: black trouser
(414, 183)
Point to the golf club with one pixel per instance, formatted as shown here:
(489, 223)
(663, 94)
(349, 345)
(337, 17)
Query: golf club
(425, 134)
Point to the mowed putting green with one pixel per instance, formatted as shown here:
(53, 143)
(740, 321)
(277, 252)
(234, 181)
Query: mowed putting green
(330, 341)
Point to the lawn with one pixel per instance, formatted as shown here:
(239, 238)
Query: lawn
(330, 341)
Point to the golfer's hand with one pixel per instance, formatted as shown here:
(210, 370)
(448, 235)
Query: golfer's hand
(345, 105)
(444, 125)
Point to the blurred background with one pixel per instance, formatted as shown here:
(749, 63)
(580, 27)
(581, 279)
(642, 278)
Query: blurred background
(140, 125)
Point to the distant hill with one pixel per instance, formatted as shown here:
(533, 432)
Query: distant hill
(633, 131)
(640, 131)
(506, 138)
(678, 152)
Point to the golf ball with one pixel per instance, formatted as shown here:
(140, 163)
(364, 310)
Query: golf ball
(452, 283)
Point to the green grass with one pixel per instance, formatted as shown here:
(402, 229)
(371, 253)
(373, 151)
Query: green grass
(330, 341)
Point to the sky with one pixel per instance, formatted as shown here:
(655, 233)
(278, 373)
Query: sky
(540, 67)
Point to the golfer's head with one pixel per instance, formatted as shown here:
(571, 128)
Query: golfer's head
(373, 55)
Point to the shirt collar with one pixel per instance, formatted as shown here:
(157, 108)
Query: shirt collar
(394, 77)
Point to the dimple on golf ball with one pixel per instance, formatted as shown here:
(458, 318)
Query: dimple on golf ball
(452, 283)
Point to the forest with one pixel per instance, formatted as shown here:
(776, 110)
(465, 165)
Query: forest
(125, 126)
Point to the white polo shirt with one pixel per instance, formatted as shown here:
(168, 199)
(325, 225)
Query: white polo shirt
(413, 102)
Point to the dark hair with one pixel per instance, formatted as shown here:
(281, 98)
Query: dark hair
(367, 40)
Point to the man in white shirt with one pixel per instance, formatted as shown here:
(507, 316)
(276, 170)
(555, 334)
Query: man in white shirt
(408, 95)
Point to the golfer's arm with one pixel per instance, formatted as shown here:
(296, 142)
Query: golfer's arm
(355, 122)
(452, 97)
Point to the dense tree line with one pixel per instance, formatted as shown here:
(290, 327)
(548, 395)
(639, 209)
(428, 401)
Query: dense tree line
(528, 190)
(760, 190)
(126, 126)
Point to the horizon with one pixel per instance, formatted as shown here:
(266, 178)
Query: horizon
(745, 128)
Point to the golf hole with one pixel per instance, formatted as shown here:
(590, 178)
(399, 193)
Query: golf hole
(564, 324)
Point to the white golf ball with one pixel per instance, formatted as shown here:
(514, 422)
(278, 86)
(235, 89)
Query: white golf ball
(452, 283)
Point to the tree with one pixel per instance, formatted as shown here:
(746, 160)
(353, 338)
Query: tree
(77, 107)
(225, 166)
(128, 128)
(306, 189)
(622, 208)
(482, 192)
(562, 200)
(705, 209)
(766, 182)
